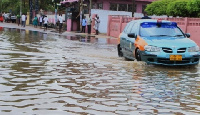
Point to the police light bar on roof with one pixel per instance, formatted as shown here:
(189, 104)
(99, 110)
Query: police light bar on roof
(161, 24)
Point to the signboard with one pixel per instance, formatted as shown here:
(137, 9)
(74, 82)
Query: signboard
(66, 1)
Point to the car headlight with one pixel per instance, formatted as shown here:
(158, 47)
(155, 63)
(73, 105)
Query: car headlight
(193, 49)
(152, 48)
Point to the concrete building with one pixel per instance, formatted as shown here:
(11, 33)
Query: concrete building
(113, 5)
(103, 8)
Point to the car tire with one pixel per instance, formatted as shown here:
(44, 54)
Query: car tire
(119, 49)
(137, 55)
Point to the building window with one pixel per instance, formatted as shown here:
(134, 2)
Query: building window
(130, 7)
(93, 6)
(99, 5)
(113, 7)
(122, 7)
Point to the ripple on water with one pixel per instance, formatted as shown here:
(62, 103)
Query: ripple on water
(51, 74)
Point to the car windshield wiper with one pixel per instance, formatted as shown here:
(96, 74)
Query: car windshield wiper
(158, 35)
(178, 35)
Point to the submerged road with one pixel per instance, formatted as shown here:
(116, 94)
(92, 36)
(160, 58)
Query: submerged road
(44, 73)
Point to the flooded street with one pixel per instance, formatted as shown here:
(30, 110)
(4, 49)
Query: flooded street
(69, 75)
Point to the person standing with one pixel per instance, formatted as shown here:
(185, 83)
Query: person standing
(97, 22)
(60, 19)
(146, 16)
(84, 22)
(18, 19)
(23, 20)
(35, 21)
(4, 16)
(89, 21)
(45, 22)
(41, 20)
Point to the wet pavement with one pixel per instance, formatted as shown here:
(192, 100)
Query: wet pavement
(57, 75)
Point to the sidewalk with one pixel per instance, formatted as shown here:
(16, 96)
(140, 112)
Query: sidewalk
(51, 30)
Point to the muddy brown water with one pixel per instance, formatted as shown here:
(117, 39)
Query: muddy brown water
(58, 75)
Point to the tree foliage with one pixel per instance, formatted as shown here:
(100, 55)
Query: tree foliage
(178, 8)
(194, 8)
(14, 5)
(182, 8)
(158, 7)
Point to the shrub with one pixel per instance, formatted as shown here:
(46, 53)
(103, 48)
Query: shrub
(64, 26)
(193, 7)
(178, 8)
(158, 7)
(50, 25)
(182, 8)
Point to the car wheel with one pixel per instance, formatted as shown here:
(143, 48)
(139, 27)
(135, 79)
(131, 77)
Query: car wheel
(137, 55)
(120, 54)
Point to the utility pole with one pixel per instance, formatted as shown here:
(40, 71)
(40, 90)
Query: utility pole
(20, 8)
(81, 13)
(90, 6)
(55, 1)
(36, 7)
(133, 7)
(31, 10)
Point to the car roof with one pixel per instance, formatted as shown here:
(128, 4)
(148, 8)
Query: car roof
(149, 20)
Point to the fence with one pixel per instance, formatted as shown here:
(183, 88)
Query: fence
(116, 24)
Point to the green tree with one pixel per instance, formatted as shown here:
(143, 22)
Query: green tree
(14, 5)
(10, 5)
(193, 7)
(158, 7)
(178, 8)
(182, 8)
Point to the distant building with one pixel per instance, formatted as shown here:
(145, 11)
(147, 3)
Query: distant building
(103, 8)
(113, 5)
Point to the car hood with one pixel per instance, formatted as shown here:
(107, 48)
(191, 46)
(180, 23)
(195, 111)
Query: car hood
(169, 41)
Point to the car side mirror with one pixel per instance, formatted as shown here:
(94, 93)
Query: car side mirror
(131, 35)
(187, 35)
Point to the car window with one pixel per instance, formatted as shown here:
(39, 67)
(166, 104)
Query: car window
(125, 29)
(134, 28)
(160, 29)
(130, 27)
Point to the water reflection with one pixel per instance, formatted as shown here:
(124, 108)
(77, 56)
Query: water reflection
(43, 73)
(92, 39)
(1, 28)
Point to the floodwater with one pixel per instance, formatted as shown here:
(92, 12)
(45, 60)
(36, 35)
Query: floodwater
(69, 75)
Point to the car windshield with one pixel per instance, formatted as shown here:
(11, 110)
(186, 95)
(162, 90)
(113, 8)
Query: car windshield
(153, 29)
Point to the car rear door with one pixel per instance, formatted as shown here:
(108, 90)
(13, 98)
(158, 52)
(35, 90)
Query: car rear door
(123, 38)
(131, 41)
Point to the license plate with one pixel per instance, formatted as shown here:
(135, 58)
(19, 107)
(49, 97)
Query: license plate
(175, 57)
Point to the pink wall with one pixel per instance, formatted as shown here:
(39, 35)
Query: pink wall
(106, 3)
(75, 27)
(69, 25)
(188, 25)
